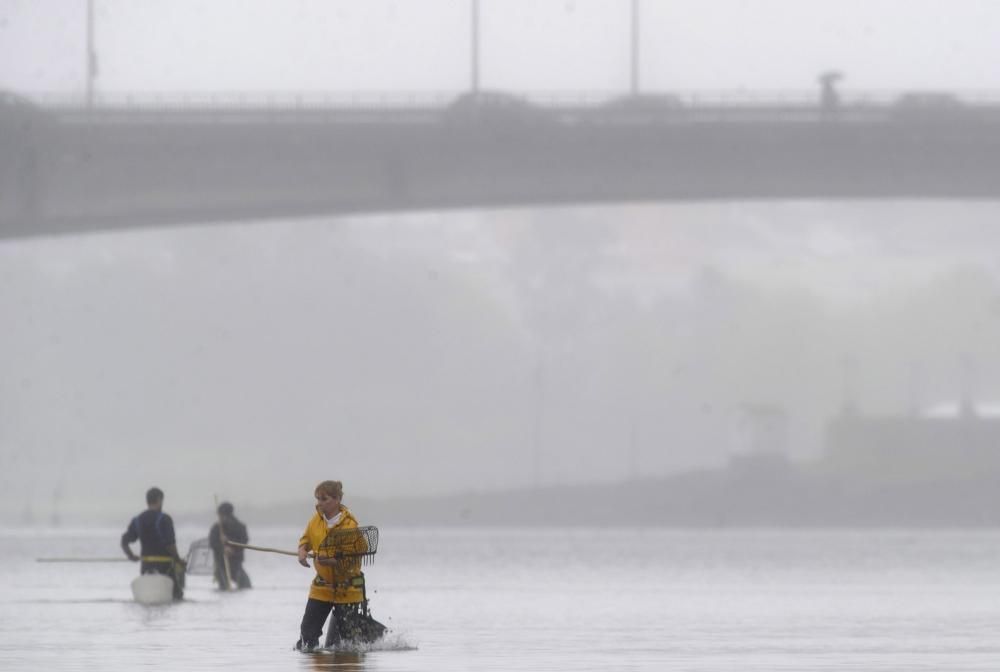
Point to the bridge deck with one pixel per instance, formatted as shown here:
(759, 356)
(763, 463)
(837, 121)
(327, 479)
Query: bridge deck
(81, 169)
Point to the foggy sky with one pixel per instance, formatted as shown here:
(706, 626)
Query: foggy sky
(528, 45)
(411, 354)
(401, 353)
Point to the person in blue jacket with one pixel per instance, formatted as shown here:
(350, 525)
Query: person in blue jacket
(154, 530)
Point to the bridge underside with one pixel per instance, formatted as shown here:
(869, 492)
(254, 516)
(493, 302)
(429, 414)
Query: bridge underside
(86, 177)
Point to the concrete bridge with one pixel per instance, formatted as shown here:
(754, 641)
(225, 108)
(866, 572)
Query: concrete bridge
(67, 169)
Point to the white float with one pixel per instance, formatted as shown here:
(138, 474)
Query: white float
(153, 589)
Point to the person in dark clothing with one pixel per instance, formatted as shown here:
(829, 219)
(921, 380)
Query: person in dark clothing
(154, 531)
(829, 97)
(229, 528)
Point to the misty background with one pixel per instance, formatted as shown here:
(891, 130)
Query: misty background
(527, 45)
(408, 354)
(473, 351)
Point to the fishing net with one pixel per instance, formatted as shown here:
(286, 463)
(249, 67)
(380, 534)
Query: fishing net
(352, 625)
(349, 549)
(200, 560)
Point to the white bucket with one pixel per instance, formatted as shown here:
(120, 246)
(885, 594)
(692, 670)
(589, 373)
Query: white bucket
(153, 589)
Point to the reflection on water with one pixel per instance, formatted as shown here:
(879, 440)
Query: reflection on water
(347, 661)
(464, 599)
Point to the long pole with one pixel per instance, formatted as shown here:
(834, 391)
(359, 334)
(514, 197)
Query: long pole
(264, 549)
(82, 560)
(474, 47)
(633, 451)
(538, 419)
(635, 48)
(91, 54)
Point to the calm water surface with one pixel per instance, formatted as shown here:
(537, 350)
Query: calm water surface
(552, 599)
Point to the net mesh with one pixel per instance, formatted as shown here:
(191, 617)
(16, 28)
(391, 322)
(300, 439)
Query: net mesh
(349, 549)
(199, 558)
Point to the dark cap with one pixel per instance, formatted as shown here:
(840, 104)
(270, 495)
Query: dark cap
(225, 509)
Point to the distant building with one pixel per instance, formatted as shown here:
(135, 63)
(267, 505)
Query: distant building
(761, 441)
(948, 442)
(23, 127)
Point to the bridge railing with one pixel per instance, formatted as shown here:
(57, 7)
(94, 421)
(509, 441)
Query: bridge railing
(247, 100)
(369, 100)
(572, 107)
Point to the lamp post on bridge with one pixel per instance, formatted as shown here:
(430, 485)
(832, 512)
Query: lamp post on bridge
(474, 47)
(91, 64)
(634, 45)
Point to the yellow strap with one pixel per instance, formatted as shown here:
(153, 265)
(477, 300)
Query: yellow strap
(157, 558)
(353, 582)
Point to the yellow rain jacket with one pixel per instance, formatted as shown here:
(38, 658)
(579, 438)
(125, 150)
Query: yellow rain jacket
(334, 583)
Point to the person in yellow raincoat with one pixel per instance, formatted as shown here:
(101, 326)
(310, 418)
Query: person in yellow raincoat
(338, 586)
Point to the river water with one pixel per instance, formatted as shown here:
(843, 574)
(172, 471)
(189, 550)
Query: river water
(534, 599)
